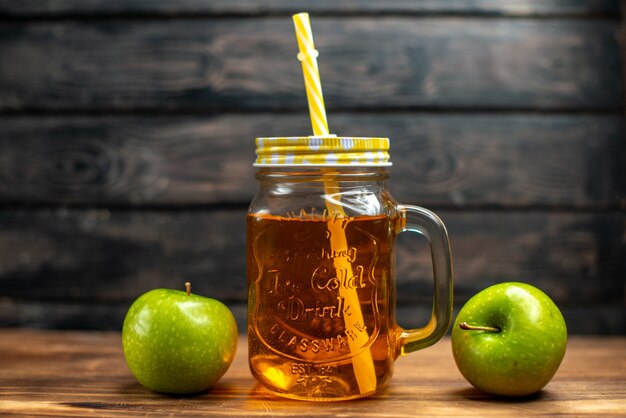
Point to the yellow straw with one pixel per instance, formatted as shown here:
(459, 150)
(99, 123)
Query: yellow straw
(308, 57)
(362, 362)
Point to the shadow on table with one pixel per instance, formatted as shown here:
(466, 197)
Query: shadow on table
(473, 394)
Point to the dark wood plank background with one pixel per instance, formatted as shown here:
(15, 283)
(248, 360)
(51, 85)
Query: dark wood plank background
(126, 144)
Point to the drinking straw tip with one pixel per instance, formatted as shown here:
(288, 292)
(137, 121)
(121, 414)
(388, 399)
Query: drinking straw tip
(308, 57)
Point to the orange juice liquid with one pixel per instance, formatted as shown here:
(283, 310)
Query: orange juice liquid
(315, 310)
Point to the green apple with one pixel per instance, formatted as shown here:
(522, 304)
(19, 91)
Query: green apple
(178, 342)
(509, 339)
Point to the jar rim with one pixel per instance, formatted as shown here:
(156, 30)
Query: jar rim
(310, 173)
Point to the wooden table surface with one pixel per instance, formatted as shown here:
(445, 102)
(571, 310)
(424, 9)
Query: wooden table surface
(56, 373)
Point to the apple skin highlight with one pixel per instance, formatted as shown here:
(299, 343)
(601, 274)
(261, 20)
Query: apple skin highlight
(523, 347)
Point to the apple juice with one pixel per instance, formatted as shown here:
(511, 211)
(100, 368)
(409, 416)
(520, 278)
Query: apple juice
(318, 312)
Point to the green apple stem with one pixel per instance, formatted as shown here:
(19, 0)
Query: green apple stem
(188, 288)
(466, 326)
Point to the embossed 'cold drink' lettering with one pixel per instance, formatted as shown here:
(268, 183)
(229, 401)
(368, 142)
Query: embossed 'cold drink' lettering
(311, 315)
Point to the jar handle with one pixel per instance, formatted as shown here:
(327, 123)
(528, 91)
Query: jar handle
(426, 223)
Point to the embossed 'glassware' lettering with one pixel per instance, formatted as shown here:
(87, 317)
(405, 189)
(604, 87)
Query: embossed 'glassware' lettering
(304, 320)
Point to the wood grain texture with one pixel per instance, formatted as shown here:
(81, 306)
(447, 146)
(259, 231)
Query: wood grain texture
(606, 8)
(101, 257)
(80, 374)
(504, 160)
(126, 134)
(213, 64)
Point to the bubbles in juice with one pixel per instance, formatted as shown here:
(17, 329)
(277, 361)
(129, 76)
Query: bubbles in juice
(320, 316)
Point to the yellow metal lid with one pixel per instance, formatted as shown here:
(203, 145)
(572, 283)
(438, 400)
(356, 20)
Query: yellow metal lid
(322, 151)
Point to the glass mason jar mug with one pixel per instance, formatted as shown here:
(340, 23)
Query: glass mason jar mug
(320, 260)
